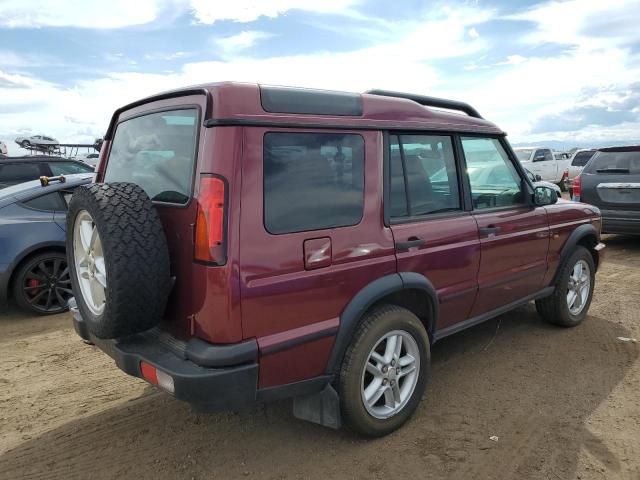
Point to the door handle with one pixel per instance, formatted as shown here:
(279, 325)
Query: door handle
(412, 242)
(491, 230)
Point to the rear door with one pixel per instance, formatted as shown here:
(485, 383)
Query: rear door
(157, 146)
(311, 237)
(611, 180)
(514, 234)
(433, 234)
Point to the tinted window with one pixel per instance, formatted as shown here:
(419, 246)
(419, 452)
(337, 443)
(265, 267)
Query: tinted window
(581, 158)
(423, 175)
(615, 162)
(548, 155)
(156, 151)
(494, 180)
(49, 202)
(68, 168)
(312, 181)
(19, 172)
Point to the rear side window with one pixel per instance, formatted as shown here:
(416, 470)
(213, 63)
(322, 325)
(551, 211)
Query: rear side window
(68, 168)
(581, 159)
(51, 202)
(156, 151)
(423, 175)
(312, 181)
(615, 162)
(19, 172)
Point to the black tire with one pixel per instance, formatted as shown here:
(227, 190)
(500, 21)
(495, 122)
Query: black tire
(136, 258)
(554, 308)
(25, 144)
(374, 326)
(42, 284)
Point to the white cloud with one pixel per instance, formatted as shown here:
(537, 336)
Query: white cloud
(587, 23)
(514, 93)
(241, 41)
(79, 13)
(473, 33)
(209, 11)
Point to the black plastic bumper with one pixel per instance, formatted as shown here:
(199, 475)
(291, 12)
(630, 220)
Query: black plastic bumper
(204, 387)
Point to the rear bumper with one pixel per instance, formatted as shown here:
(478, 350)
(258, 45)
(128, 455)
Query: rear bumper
(624, 222)
(206, 388)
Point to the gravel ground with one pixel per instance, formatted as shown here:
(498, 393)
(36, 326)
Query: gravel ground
(564, 404)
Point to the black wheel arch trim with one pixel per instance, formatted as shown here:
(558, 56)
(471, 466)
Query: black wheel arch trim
(368, 296)
(578, 234)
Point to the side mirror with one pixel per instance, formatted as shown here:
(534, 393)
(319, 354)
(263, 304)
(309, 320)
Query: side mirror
(544, 196)
(538, 178)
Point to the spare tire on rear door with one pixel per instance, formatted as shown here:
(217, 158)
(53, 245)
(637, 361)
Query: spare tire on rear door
(118, 257)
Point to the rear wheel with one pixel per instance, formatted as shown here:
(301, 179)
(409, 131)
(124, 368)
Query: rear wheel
(570, 301)
(43, 284)
(385, 371)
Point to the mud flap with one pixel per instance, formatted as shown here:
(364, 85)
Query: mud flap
(322, 408)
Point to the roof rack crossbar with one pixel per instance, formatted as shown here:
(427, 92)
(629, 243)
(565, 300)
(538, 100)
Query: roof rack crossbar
(429, 101)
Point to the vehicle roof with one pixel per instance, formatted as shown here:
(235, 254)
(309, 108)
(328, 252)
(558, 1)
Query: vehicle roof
(27, 190)
(38, 158)
(233, 103)
(625, 148)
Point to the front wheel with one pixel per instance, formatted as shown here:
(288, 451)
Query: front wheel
(25, 144)
(570, 301)
(385, 371)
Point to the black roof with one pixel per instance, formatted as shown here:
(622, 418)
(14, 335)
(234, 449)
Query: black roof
(37, 158)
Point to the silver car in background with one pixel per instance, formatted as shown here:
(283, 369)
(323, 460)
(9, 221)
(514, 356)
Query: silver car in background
(39, 142)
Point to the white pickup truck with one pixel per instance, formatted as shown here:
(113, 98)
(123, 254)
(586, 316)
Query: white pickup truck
(542, 161)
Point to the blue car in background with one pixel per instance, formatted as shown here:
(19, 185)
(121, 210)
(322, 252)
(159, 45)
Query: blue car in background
(33, 263)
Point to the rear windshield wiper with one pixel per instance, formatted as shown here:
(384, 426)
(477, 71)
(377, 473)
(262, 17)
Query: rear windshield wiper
(613, 170)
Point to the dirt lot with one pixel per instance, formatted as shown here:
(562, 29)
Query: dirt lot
(565, 404)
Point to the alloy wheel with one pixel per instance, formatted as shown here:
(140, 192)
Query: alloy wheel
(578, 287)
(89, 262)
(47, 285)
(390, 374)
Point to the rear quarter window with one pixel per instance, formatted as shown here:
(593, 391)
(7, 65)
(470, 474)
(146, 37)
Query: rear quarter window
(618, 162)
(19, 172)
(156, 151)
(312, 181)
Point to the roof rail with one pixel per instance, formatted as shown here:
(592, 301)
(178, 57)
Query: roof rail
(429, 101)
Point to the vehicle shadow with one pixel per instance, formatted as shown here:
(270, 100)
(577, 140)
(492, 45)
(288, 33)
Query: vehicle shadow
(532, 385)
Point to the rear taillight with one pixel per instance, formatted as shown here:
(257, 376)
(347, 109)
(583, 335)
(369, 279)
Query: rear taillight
(210, 222)
(576, 189)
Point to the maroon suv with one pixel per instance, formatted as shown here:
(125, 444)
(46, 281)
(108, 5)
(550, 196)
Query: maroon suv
(246, 243)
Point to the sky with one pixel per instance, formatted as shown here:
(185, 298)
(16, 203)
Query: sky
(553, 71)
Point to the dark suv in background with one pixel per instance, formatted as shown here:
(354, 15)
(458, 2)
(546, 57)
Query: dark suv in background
(611, 181)
(15, 170)
(245, 243)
